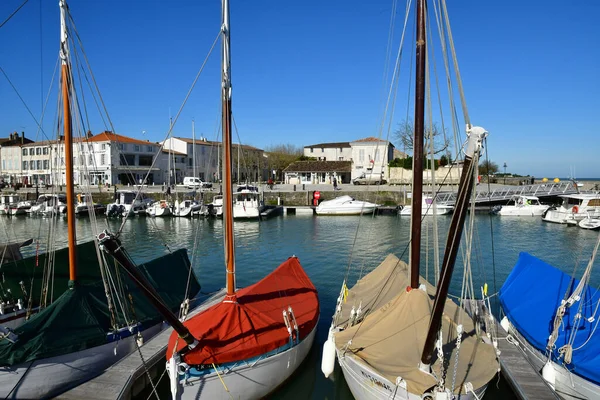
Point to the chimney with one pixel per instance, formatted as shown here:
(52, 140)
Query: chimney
(89, 134)
(22, 137)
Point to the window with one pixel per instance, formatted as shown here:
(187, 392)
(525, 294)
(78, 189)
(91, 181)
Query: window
(46, 164)
(3, 164)
(136, 147)
(102, 159)
(312, 150)
(31, 151)
(25, 165)
(46, 150)
(39, 164)
(377, 155)
(145, 161)
(190, 162)
(121, 146)
(55, 161)
(340, 158)
(103, 146)
(127, 159)
(322, 150)
(24, 152)
(38, 151)
(150, 149)
(361, 155)
(90, 160)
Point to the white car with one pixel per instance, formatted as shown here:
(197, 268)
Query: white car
(371, 179)
(194, 183)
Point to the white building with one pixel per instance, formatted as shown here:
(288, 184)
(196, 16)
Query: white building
(371, 156)
(99, 159)
(341, 151)
(203, 157)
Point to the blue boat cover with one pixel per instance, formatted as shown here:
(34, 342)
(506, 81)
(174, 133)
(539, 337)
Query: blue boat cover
(530, 297)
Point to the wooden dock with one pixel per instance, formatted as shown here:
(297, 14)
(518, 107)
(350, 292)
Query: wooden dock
(129, 376)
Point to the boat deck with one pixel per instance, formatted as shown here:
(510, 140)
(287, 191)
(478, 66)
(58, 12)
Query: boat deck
(129, 376)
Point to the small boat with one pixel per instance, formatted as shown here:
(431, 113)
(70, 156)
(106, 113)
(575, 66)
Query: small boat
(20, 208)
(345, 205)
(522, 206)
(428, 208)
(573, 209)
(554, 317)
(247, 204)
(215, 209)
(186, 208)
(128, 202)
(13, 307)
(161, 208)
(590, 223)
(84, 205)
(48, 205)
(271, 211)
(6, 201)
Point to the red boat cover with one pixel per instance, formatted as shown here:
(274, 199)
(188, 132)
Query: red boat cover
(229, 332)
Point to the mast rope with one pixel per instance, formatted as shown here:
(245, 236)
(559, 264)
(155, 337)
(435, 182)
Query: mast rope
(13, 13)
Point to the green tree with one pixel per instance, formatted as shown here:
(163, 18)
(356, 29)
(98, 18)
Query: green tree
(280, 156)
(488, 168)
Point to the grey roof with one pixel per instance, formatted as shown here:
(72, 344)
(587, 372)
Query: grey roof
(319, 166)
(329, 145)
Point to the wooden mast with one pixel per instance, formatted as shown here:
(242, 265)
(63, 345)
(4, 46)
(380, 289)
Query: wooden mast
(66, 84)
(227, 160)
(417, 186)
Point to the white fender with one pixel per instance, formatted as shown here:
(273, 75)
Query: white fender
(505, 324)
(549, 374)
(173, 376)
(328, 359)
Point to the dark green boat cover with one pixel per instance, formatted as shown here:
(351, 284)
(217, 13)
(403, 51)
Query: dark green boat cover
(79, 319)
(26, 271)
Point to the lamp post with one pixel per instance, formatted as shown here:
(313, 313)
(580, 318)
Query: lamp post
(505, 172)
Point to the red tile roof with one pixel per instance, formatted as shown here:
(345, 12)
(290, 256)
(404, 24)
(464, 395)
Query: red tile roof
(113, 137)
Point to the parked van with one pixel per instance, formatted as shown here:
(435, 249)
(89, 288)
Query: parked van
(194, 183)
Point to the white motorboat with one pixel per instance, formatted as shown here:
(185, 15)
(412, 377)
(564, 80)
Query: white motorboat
(186, 208)
(161, 208)
(574, 208)
(522, 206)
(49, 204)
(20, 208)
(215, 209)
(247, 204)
(345, 205)
(590, 223)
(128, 202)
(429, 207)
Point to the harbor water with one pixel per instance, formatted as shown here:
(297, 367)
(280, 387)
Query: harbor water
(326, 247)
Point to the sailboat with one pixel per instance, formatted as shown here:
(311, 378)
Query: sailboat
(554, 317)
(94, 322)
(393, 333)
(248, 344)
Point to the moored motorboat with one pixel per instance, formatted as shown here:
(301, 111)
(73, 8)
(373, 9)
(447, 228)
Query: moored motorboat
(345, 205)
(429, 207)
(522, 206)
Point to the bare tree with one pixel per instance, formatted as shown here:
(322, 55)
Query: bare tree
(282, 155)
(406, 132)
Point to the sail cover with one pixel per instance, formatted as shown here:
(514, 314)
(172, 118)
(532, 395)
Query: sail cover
(254, 325)
(391, 337)
(530, 298)
(79, 319)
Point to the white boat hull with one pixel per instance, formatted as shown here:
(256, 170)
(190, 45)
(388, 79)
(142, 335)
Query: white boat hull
(567, 385)
(562, 217)
(522, 211)
(245, 212)
(51, 376)
(366, 383)
(439, 210)
(345, 210)
(159, 211)
(589, 223)
(248, 381)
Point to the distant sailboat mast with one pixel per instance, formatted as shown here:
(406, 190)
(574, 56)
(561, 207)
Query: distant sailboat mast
(227, 160)
(68, 133)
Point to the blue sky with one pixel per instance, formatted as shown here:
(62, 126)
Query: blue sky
(312, 71)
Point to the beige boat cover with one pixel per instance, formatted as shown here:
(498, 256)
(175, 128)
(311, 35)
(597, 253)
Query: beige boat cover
(392, 336)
